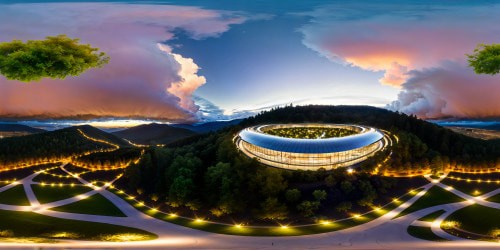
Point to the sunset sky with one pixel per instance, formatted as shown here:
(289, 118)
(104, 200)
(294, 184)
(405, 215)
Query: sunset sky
(199, 60)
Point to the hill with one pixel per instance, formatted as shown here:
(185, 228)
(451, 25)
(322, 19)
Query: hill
(154, 133)
(101, 135)
(54, 145)
(208, 126)
(12, 127)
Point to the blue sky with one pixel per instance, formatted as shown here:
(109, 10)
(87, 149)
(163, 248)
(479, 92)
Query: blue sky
(185, 61)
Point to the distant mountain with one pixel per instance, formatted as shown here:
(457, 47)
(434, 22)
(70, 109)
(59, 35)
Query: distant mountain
(99, 134)
(12, 127)
(486, 124)
(154, 133)
(209, 126)
(57, 144)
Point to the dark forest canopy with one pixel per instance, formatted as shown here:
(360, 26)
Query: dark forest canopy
(55, 57)
(207, 173)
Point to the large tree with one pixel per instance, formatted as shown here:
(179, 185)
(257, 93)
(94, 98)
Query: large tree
(55, 57)
(486, 59)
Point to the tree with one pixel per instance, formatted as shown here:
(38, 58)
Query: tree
(346, 187)
(307, 208)
(486, 59)
(319, 195)
(330, 181)
(292, 195)
(344, 206)
(55, 57)
(274, 210)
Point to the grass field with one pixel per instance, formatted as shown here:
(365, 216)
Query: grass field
(435, 196)
(279, 230)
(95, 204)
(14, 196)
(476, 219)
(424, 233)
(432, 216)
(18, 225)
(47, 193)
(471, 188)
(495, 198)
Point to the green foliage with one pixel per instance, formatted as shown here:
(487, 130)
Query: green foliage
(319, 195)
(272, 209)
(330, 181)
(55, 57)
(45, 146)
(486, 59)
(346, 187)
(210, 175)
(310, 132)
(293, 195)
(343, 206)
(307, 208)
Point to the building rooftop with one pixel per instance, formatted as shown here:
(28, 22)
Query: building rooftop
(254, 136)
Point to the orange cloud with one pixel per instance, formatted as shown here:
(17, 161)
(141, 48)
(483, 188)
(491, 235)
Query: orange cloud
(142, 78)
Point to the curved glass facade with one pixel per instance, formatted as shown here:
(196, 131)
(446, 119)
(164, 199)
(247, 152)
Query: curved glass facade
(310, 154)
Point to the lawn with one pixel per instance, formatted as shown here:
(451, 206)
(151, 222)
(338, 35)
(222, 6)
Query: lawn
(28, 224)
(424, 233)
(14, 196)
(288, 230)
(47, 178)
(432, 216)
(47, 193)
(471, 188)
(95, 204)
(494, 198)
(435, 196)
(476, 219)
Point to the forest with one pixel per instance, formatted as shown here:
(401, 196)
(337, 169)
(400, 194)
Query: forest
(207, 173)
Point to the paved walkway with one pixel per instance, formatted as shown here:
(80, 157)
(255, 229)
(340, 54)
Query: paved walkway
(385, 232)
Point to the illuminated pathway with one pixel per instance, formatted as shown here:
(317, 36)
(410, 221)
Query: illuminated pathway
(381, 233)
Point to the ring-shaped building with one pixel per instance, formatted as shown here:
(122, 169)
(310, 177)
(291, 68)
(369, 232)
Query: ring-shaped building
(310, 154)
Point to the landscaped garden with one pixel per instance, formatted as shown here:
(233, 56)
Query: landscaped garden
(310, 132)
(434, 196)
(40, 228)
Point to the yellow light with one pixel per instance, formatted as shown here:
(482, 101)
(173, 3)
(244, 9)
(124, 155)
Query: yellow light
(199, 220)
(356, 215)
(350, 170)
(395, 200)
(238, 226)
(284, 226)
(173, 215)
(325, 222)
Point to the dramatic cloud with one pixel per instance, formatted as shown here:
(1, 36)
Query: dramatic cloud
(447, 91)
(414, 46)
(143, 79)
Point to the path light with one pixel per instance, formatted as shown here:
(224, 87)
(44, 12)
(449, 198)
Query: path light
(238, 226)
(350, 170)
(199, 220)
(284, 226)
(173, 215)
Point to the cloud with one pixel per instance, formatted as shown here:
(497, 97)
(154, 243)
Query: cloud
(414, 46)
(144, 77)
(449, 90)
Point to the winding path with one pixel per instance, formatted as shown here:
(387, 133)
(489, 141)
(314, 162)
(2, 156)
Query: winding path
(385, 232)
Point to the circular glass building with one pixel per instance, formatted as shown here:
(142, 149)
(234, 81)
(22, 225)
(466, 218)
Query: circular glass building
(310, 146)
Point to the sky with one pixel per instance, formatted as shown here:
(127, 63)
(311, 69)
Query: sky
(189, 61)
